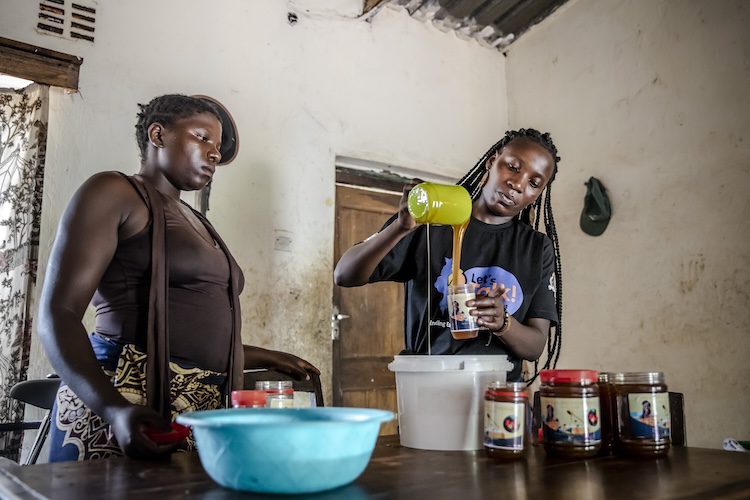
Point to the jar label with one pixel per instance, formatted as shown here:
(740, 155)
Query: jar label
(460, 317)
(571, 420)
(650, 417)
(279, 402)
(504, 425)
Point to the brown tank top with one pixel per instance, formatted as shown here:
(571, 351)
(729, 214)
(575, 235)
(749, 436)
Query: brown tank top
(202, 304)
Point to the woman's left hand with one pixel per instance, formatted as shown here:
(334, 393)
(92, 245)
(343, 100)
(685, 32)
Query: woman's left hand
(489, 310)
(525, 340)
(284, 362)
(296, 367)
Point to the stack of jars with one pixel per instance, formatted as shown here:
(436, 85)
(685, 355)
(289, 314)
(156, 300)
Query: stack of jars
(267, 394)
(279, 393)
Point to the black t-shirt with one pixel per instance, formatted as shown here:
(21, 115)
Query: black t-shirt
(512, 254)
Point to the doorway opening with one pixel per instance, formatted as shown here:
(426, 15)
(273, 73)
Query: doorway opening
(367, 322)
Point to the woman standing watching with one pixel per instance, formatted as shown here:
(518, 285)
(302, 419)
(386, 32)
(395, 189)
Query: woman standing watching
(166, 292)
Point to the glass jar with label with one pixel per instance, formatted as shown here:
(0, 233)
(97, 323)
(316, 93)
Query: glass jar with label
(279, 393)
(570, 413)
(505, 418)
(643, 414)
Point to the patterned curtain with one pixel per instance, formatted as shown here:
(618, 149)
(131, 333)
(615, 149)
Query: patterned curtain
(23, 139)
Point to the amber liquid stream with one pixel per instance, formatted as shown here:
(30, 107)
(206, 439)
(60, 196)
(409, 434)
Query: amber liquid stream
(458, 241)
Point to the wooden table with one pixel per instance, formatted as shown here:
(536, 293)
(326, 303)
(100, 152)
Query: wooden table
(396, 472)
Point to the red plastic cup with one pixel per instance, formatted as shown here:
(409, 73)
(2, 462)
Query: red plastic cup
(178, 433)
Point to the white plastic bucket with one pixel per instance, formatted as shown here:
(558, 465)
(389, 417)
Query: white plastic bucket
(441, 398)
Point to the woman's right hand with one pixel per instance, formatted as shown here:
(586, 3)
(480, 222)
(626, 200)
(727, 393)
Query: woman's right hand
(405, 220)
(357, 264)
(130, 424)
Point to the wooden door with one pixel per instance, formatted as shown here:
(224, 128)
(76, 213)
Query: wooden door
(373, 332)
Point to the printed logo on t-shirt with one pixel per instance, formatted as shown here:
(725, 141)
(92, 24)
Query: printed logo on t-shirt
(484, 279)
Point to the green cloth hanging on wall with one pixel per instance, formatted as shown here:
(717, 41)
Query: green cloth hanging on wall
(596, 208)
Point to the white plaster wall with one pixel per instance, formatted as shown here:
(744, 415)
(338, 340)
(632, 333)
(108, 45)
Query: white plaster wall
(392, 90)
(651, 97)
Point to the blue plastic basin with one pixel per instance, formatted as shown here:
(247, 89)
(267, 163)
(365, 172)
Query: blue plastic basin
(285, 450)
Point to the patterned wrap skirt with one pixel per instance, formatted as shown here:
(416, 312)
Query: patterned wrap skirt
(77, 433)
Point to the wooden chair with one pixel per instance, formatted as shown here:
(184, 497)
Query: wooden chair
(676, 409)
(40, 393)
(677, 412)
(312, 385)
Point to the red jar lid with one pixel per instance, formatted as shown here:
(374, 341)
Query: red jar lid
(507, 394)
(279, 391)
(248, 399)
(574, 376)
(507, 389)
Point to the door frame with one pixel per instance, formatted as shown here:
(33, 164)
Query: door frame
(365, 180)
(367, 175)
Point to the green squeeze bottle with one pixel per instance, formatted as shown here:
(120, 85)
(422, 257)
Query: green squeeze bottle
(441, 204)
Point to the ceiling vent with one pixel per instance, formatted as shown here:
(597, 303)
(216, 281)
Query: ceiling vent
(69, 19)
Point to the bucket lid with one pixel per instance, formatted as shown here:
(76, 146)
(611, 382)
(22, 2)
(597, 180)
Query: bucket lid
(443, 363)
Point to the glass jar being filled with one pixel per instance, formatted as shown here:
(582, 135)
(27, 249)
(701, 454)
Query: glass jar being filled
(643, 414)
(506, 411)
(279, 393)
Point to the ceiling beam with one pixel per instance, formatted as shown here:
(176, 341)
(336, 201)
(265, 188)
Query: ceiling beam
(38, 64)
(370, 4)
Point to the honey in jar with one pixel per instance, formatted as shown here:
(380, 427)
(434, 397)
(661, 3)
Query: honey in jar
(506, 410)
(570, 412)
(608, 413)
(643, 414)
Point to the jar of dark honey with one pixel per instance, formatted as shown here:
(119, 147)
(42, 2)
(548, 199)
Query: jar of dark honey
(505, 418)
(608, 414)
(570, 413)
(643, 414)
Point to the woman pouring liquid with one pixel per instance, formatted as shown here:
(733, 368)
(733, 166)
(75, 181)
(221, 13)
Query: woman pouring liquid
(514, 268)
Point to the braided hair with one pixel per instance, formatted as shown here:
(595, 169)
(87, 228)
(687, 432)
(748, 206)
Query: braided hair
(473, 182)
(166, 110)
